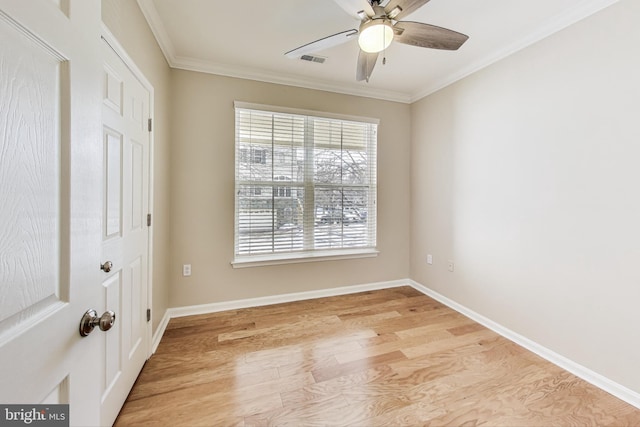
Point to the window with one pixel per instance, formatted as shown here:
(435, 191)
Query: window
(310, 192)
(253, 155)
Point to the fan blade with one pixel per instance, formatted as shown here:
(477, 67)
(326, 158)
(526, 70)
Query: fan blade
(352, 7)
(406, 7)
(324, 43)
(366, 63)
(425, 35)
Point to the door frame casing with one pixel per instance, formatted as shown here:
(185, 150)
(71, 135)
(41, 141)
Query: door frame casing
(111, 40)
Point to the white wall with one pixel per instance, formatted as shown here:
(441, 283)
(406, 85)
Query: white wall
(527, 176)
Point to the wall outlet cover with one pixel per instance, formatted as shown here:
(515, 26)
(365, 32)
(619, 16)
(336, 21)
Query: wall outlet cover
(186, 270)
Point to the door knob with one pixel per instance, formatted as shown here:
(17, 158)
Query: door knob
(106, 267)
(90, 320)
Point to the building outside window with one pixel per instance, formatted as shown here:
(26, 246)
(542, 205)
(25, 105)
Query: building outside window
(305, 184)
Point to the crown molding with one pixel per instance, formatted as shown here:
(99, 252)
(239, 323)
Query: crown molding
(266, 76)
(552, 26)
(154, 21)
(557, 23)
(250, 73)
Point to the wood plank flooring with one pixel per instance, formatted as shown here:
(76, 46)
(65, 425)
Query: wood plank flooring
(390, 357)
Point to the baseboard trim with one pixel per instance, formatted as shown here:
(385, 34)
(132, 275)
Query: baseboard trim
(157, 336)
(600, 381)
(278, 299)
(192, 310)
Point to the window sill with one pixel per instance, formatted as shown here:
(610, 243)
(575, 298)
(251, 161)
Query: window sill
(295, 258)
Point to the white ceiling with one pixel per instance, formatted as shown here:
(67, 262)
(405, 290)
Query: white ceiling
(248, 39)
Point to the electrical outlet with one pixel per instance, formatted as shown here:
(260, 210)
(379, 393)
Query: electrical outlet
(429, 259)
(450, 265)
(186, 270)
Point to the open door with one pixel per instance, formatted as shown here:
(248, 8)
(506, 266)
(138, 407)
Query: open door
(50, 209)
(126, 107)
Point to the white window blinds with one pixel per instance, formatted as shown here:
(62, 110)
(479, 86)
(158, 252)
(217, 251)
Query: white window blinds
(304, 183)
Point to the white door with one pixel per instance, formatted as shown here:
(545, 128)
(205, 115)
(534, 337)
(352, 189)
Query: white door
(125, 234)
(50, 203)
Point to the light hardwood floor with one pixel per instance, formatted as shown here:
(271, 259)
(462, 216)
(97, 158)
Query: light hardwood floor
(389, 357)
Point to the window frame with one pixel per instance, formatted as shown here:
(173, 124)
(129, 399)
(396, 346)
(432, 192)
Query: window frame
(314, 254)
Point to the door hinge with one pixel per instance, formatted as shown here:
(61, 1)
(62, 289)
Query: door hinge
(148, 314)
(150, 124)
(148, 220)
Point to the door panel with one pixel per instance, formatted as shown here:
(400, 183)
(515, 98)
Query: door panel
(112, 90)
(136, 324)
(59, 395)
(113, 190)
(137, 183)
(113, 364)
(50, 215)
(30, 174)
(124, 115)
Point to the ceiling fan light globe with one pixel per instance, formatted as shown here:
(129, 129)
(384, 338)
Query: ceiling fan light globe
(375, 36)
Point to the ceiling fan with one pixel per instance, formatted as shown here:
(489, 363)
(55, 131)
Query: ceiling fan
(380, 24)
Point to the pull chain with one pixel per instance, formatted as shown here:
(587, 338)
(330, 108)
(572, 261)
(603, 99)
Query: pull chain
(384, 52)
